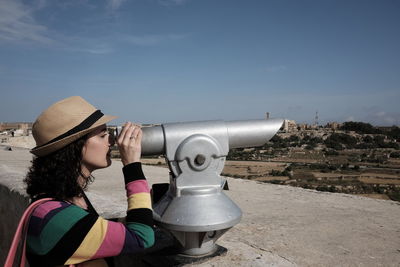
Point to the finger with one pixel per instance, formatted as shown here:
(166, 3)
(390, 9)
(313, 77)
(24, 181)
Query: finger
(136, 125)
(128, 135)
(135, 132)
(134, 137)
(139, 136)
(123, 132)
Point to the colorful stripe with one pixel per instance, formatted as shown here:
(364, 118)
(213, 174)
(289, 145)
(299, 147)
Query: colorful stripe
(144, 216)
(36, 224)
(139, 201)
(55, 229)
(45, 208)
(138, 186)
(112, 243)
(68, 244)
(133, 243)
(133, 172)
(144, 231)
(91, 243)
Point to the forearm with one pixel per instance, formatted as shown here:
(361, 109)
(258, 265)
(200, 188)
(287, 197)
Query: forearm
(139, 214)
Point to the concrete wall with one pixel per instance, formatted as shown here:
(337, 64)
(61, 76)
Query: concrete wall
(12, 205)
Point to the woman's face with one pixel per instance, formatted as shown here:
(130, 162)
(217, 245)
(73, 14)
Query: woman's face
(96, 153)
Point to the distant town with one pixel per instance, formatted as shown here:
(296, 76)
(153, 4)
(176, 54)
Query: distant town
(350, 157)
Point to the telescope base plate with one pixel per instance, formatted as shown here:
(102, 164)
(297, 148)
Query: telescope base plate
(168, 257)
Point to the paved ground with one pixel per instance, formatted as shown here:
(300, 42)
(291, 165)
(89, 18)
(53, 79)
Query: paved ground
(281, 225)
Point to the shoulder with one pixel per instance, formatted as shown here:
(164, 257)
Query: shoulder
(52, 207)
(49, 206)
(55, 225)
(53, 219)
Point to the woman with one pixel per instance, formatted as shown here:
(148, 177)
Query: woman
(72, 141)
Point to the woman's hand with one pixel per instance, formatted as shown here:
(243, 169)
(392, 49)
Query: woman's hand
(129, 143)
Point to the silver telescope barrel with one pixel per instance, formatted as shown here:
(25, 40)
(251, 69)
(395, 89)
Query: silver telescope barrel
(153, 141)
(251, 133)
(243, 133)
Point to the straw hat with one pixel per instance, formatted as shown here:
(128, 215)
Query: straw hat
(64, 122)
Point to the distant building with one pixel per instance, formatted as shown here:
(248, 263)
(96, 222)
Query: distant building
(302, 127)
(333, 125)
(289, 126)
(22, 128)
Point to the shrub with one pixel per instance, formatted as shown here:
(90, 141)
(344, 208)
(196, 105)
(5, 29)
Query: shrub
(323, 188)
(332, 189)
(279, 173)
(310, 147)
(394, 195)
(394, 133)
(333, 145)
(294, 138)
(275, 182)
(365, 146)
(360, 127)
(395, 154)
(331, 152)
(339, 138)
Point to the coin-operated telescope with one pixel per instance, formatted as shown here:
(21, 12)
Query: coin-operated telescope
(194, 208)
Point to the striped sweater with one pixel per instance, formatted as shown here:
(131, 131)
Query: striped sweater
(61, 233)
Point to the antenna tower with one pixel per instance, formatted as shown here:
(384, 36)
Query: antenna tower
(316, 118)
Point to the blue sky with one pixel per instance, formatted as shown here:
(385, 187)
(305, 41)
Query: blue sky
(154, 61)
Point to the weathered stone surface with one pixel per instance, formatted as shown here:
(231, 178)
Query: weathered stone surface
(281, 225)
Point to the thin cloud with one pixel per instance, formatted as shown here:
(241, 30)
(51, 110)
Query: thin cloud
(98, 49)
(18, 24)
(85, 45)
(172, 2)
(151, 40)
(384, 118)
(115, 4)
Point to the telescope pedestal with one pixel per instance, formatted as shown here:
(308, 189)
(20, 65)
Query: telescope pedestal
(167, 252)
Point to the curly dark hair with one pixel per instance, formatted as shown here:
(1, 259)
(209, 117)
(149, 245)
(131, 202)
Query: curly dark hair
(56, 175)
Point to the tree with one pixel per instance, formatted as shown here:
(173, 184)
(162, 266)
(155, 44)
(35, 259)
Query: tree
(360, 127)
(336, 140)
(394, 133)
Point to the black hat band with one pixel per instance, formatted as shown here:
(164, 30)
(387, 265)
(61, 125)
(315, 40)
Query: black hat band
(89, 121)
